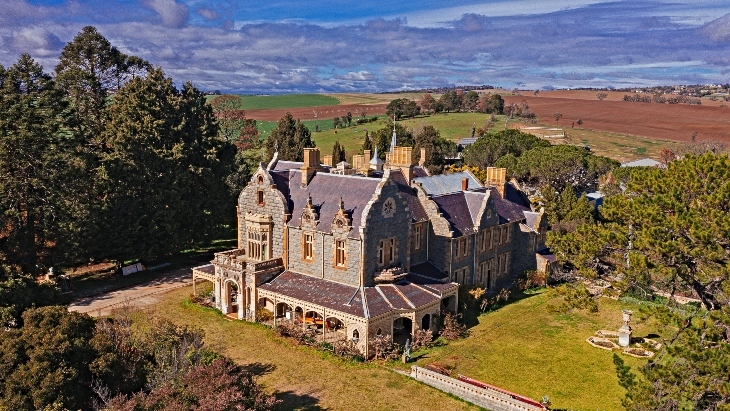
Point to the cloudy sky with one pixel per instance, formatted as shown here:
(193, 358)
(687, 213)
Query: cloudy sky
(253, 46)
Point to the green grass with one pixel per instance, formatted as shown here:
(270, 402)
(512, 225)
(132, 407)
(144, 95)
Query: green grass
(285, 101)
(302, 377)
(520, 347)
(526, 349)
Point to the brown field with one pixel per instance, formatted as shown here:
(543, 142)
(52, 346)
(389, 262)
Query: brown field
(657, 121)
(317, 113)
(661, 122)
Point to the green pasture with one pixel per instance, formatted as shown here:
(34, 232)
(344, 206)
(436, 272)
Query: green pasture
(284, 101)
(526, 349)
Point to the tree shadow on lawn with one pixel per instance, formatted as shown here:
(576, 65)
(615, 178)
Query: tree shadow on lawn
(295, 401)
(470, 316)
(258, 368)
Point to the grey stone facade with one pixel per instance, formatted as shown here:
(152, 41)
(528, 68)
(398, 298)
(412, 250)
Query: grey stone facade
(355, 256)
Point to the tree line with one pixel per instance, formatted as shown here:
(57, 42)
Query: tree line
(106, 159)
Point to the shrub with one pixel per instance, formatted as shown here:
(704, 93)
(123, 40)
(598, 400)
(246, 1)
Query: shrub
(384, 348)
(263, 315)
(295, 330)
(346, 348)
(452, 329)
(422, 339)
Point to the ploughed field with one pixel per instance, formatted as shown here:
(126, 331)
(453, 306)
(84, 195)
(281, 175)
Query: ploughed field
(711, 121)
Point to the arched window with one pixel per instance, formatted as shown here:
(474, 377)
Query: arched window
(355, 336)
(379, 332)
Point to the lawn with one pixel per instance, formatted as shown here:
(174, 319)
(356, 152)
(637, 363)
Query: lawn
(305, 379)
(521, 347)
(526, 349)
(285, 101)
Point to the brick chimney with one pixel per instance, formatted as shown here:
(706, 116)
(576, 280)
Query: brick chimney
(401, 159)
(497, 177)
(311, 165)
(464, 184)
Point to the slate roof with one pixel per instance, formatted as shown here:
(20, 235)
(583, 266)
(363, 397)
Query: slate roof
(430, 271)
(419, 171)
(455, 210)
(327, 294)
(326, 190)
(548, 255)
(509, 211)
(531, 219)
(446, 183)
(418, 213)
(412, 293)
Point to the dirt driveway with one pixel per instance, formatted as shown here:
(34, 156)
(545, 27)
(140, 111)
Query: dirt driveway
(139, 296)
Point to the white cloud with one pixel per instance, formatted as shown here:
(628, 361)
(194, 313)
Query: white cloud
(172, 14)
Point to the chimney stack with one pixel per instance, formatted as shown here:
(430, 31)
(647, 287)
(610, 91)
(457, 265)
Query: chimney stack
(401, 159)
(310, 166)
(422, 160)
(464, 184)
(327, 160)
(497, 177)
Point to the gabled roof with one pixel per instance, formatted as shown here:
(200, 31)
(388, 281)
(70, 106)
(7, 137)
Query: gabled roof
(367, 302)
(418, 213)
(326, 190)
(455, 209)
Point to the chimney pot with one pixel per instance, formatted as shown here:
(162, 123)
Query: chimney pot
(464, 184)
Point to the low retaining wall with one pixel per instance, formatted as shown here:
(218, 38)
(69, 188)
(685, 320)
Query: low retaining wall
(481, 394)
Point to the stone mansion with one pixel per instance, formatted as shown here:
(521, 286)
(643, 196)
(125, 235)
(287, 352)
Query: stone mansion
(371, 248)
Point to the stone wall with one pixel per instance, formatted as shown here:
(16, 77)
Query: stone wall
(323, 264)
(273, 205)
(491, 399)
(378, 224)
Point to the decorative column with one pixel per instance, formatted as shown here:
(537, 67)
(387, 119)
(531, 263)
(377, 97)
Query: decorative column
(217, 294)
(624, 333)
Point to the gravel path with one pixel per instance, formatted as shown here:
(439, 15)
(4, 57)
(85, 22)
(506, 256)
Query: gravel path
(139, 296)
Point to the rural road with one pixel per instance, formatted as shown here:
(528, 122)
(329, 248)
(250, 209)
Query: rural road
(138, 296)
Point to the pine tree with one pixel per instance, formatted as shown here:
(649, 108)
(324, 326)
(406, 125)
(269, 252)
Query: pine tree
(367, 144)
(669, 230)
(338, 153)
(164, 174)
(290, 137)
(35, 157)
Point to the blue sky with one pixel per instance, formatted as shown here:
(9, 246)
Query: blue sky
(253, 46)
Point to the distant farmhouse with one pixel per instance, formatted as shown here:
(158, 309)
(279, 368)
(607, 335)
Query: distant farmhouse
(354, 251)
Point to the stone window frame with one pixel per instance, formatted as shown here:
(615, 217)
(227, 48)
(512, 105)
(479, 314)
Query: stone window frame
(308, 246)
(260, 198)
(339, 253)
(389, 207)
(506, 233)
(258, 237)
(417, 237)
(486, 240)
(392, 248)
(461, 247)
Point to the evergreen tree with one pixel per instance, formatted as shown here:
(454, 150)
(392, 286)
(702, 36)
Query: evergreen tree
(89, 71)
(382, 137)
(35, 157)
(668, 230)
(338, 153)
(164, 175)
(437, 149)
(290, 137)
(367, 144)
(491, 147)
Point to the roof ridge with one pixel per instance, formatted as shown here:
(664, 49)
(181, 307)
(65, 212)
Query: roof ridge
(426, 290)
(377, 288)
(409, 302)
